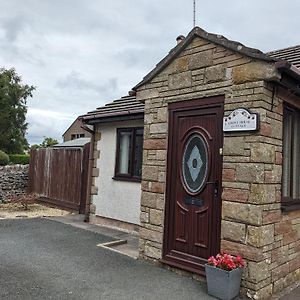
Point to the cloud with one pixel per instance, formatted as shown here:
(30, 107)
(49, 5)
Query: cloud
(74, 81)
(47, 123)
(82, 54)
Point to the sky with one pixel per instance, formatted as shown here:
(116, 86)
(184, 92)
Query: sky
(81, 54)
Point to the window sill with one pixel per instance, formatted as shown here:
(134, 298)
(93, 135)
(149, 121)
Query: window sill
(286, 207)
(129, 179)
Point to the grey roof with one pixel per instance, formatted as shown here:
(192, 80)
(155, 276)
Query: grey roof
(213, 38)
(125, 106)
(73, 143)
(291, 54)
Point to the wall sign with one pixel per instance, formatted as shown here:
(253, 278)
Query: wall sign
(241, 119)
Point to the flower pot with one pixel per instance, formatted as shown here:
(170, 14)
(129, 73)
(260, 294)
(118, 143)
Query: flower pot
(223, 284)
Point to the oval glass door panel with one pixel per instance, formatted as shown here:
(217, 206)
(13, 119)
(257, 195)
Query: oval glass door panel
(194, 163)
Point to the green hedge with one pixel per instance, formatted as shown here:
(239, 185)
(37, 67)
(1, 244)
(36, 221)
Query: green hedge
(4, 159)
(19, 159)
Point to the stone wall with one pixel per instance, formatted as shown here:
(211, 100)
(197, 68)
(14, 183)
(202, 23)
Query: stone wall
(13, 180)
(252, 222)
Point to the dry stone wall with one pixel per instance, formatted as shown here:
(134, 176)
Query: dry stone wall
(13, 180)
(253, 224)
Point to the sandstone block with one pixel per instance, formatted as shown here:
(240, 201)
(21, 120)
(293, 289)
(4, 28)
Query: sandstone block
(149, 199)
(94, 190)
(201, 60)
(215, 73)
(151, 235)
(265, 129)
(280, 271)
(161, 154)
(295, 264)
(278, 255)
(260, 236)
(262, 193)
(154, 144)
(181, 64)
(278, 158)
(262, 153)
(228, 174)
(242, 213)
(162, 177)
(147, 94)
(150, 172)
(92, 208)
(181, 80)
(156, 217)
(152, 252)
(253, 71)
(258, 271)
(158, 128)
(250, 172)
(144, 217)
(157, 187)
(233, 231)
(276, 129)
(95, 172)
(149, 118)
(162, 114)
(272, 216)
(246, 251)
(274, 176)
(236, 195)
(234, 146)
(96, 154)
(264, 293)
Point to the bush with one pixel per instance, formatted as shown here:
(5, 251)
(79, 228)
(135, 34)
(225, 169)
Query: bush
(4, 159)
(19, 159)
(25, 199)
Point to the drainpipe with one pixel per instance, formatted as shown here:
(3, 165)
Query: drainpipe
(90, 170)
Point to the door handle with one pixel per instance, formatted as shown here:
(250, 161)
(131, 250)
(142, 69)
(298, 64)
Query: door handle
(215, 187)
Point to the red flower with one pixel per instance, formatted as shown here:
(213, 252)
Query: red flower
(226, 261)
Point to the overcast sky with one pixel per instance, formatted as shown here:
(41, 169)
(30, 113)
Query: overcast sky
(81, 54)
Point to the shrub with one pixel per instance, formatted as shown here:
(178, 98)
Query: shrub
(4, 159)
(24, 199)
(19, 159)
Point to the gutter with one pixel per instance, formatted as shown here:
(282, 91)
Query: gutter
(294, 73)
(90, 169)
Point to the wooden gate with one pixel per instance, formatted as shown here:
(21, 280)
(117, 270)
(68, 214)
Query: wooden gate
(59, 176)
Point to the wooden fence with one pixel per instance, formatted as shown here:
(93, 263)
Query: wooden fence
(59, 176)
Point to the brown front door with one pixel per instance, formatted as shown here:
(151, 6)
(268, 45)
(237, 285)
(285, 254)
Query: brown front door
(193, 198)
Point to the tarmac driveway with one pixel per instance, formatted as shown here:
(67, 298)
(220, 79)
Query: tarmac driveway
(44, 259)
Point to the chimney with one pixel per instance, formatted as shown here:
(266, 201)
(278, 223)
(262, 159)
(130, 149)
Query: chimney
(179, 39)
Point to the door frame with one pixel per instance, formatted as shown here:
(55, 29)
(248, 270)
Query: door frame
(181, 106)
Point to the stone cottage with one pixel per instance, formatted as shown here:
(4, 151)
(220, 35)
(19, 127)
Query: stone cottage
(220, 168)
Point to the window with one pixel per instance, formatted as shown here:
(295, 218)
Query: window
(291, 159)
(77, 136)
(129, 154)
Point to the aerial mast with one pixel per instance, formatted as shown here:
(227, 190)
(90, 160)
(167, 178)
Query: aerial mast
(194, 13)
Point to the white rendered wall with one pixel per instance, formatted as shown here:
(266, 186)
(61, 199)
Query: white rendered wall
(119, 200)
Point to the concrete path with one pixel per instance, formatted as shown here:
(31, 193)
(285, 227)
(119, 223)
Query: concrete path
(44, 259)
(130, 247)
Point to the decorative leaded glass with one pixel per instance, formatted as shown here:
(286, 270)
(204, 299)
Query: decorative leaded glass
(194, 163)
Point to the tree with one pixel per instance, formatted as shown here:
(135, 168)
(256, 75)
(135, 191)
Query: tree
(13, 109)
(47, 142)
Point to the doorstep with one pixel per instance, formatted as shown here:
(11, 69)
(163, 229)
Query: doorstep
(125, 243)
